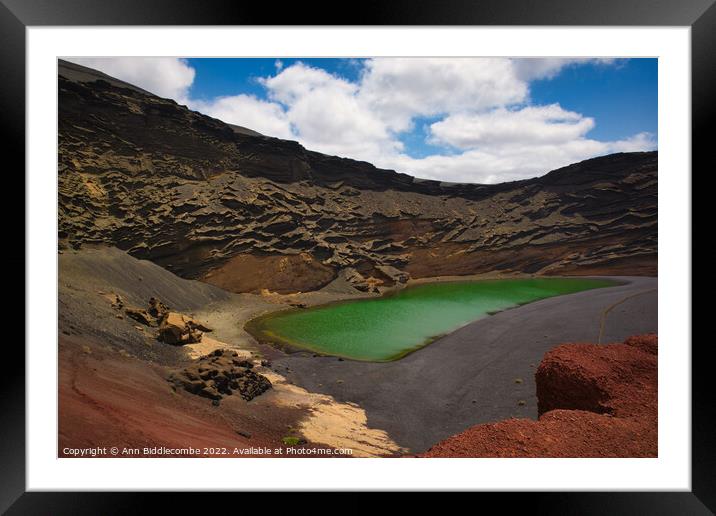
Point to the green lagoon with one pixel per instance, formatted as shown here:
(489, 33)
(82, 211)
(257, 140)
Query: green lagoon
(390, 327)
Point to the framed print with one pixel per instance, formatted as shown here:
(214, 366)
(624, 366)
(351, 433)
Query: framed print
(431, 248)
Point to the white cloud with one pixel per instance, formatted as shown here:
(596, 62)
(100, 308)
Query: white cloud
(530, 69)
(247, 111)
(486, 124)
(495, 164)
(527, 126)
(399, 89)
(298, 81)
(168, 77)
(640, 141)
(327, 115)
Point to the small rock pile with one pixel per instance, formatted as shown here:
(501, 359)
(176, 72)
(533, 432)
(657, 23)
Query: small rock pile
(174, 328)
(151, 316)
(218, 374)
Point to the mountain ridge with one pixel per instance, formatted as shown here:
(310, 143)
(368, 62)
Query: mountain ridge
(245, 212)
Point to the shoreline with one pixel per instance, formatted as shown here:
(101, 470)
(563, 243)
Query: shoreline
(261, 335)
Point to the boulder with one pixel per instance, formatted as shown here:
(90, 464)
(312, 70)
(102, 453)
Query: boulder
(616, 379)
(178, 329)
(220, 374)
(594, 400)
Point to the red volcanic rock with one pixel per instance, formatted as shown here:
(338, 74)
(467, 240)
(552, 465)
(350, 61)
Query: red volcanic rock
(617, 379)
(648, 342)
(593, 400)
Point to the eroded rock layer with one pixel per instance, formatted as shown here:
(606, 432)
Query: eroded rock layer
(244, 211)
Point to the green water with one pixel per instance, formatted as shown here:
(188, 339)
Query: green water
(387, 328)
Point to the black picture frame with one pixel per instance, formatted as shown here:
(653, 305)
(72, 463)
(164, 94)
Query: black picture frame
(17, 15)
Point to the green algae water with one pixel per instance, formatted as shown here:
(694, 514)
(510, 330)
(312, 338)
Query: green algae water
(389, 327)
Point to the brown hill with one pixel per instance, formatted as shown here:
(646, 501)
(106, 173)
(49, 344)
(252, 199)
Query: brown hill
(243, 211)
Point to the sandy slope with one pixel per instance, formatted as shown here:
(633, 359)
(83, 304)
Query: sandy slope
(113, 389)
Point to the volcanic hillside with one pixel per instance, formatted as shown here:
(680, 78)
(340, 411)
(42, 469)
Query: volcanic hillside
(224, 204)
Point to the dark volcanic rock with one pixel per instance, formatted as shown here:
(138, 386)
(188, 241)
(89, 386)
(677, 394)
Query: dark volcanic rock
(220, 374)
(245, 211)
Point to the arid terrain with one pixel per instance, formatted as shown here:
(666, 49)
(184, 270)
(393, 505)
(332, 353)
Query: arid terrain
(175, 229)
(246, 212)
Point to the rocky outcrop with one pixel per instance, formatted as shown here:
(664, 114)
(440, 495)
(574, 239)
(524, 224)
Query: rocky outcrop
(220, 374)
(245, 211)
(179, 329)
(173, 327)
(616, 379)
(152, 316)
(594, 401)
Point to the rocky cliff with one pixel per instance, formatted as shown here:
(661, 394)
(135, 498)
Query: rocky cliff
(244, 211)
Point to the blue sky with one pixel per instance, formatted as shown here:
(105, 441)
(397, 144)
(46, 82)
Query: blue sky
(454, 119)
(623, 98)
(217, 77)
